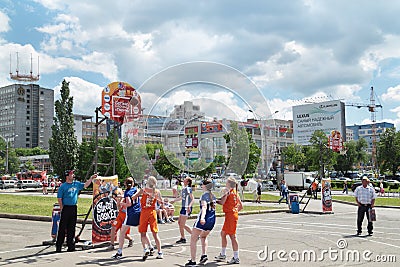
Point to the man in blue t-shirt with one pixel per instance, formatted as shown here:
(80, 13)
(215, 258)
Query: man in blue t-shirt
(67, 196)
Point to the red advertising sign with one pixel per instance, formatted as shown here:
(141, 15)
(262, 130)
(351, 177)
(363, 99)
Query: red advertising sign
(326, 195)
(119, 98)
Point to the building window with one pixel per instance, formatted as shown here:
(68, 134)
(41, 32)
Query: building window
(27, 117)
(28, 128)
(41, 92)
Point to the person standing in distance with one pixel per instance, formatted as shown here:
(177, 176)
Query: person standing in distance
(67, 196)
(365, 198)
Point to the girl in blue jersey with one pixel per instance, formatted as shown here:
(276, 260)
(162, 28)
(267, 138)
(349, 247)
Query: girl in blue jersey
(204, 224)
(132, 205)
(187, 204)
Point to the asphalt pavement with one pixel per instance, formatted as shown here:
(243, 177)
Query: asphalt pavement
(268, 239)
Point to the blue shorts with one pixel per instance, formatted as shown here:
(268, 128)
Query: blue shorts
(208, 226)
(184, 211)
(132, 219)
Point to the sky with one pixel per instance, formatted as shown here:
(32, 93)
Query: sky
(264, 56)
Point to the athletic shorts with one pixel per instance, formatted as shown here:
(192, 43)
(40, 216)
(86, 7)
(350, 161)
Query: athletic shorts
(184, 211)
(148, 217)
(230, 223)
(208, 226)
(132, 219)
(117, 223)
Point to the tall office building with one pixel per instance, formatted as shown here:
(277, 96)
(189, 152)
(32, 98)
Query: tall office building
(27, 112)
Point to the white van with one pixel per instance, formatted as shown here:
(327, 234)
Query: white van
(5, 184)
(23, 184)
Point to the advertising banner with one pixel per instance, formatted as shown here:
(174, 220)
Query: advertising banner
(325, 116)
(326, 195)
(119, 99)
(105, 210)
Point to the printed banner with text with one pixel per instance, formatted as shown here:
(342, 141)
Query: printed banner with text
(105, 209)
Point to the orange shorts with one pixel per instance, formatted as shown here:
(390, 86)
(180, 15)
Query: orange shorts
(230, 223)
(148, 217)
(117, 223)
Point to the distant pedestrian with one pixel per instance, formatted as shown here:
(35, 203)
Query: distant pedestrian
(259, 189)
(345, 187)
(231, 205)
(365, 198)
(67, 196)
(314, 188)
(381, 189)
(284, 192)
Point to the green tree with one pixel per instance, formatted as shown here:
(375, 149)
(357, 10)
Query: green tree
(388, 151)
(294, 155)
(85, 157)
(168, 164)
(63, 145)
(254, 156)
(320, 155)
(238, 149)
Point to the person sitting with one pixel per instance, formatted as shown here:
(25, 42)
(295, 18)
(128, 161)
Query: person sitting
(170, 209)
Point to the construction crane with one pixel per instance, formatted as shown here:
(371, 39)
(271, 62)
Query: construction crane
(372, 106)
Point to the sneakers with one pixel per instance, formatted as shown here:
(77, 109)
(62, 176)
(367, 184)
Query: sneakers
(190, 263)
(130, 243)
(151, 251)
(203, 259)
(358, 233)
(110, 248)
(160, 255)
(146, 254)
(234, 261)
(220, 257)
(370, 233)
(117, 256)
(181, 241)
(171, 219)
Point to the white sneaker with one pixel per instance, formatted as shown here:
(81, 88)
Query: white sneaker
(146, 254)
(234, 261)
(220, 257)
(160, 255)
(110, 248)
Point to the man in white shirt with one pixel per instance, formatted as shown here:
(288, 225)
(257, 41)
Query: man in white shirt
(365, 198)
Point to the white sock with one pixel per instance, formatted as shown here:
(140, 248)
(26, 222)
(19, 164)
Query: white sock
(236, 254)
(223, 251)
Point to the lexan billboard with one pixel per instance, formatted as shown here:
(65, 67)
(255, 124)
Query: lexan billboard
(327, 116)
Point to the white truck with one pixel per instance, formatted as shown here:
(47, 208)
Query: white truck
(298, 180)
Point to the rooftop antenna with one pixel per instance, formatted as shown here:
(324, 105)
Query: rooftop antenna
(24, 77)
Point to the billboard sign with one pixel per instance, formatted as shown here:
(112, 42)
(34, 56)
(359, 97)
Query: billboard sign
(325, 116)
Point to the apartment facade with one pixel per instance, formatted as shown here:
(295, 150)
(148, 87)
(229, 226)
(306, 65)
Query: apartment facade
(27, 112)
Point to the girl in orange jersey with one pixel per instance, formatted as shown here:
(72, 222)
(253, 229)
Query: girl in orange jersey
(231, 205)
(148, 216)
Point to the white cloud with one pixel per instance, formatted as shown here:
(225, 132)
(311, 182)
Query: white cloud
(392, 94)
(87, 96)
(4, 22)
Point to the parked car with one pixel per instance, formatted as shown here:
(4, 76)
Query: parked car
(392, 182)
(345, 179)
(357, 184)
(5, 184)
(23, 184)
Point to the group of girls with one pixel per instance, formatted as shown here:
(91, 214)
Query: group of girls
(231, 205)
(143, 214)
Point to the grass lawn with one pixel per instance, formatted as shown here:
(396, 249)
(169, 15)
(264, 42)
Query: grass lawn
(380, 201)
(43, 206)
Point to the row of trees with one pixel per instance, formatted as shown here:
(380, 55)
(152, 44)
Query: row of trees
(318, 157)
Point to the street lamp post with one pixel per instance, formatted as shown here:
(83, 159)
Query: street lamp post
(6, 164)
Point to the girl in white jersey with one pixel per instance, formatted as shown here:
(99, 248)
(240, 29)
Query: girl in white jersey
(187, 202)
